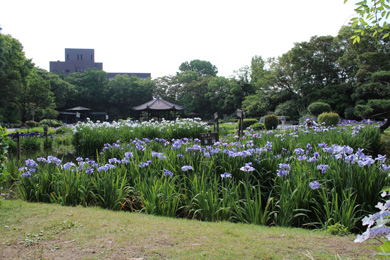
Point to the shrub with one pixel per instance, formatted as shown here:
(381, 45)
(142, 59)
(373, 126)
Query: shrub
(318, 108)
(363, 111)
(229, 120)
(17, 124)
(271, 122)
(289, 108)
(32, 123)
(50, 122)
(329, 119)
(64, 130)
(248, 122)
(257, 126)
(349, 113)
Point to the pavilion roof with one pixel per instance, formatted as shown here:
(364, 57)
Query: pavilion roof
(78, 109)
(158, 104)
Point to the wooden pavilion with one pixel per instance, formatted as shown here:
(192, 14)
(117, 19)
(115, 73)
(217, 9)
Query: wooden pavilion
(158, 107)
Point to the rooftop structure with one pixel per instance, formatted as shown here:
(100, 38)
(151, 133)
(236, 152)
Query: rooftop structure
(158, 104)
(76, 60)
(80, 60)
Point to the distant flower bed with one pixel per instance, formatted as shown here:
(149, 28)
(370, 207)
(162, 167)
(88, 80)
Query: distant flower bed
(28, 141)
(90, 137)
(299, 177)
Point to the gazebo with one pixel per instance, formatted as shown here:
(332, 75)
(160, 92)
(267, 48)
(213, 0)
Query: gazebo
(80, 113)
(157, 106)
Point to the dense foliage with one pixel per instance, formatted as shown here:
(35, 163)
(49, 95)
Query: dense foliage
(247, 122)
(271, 122)
(317, 108)
(329, 119)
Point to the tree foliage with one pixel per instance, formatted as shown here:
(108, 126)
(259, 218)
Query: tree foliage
(201, 67)
(372, 16)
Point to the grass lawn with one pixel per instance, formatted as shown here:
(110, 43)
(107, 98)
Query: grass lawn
(47, 231)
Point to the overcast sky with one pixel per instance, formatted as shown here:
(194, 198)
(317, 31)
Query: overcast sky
(156, 36)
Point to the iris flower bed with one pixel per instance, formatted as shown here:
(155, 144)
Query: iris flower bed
(90, 137)
(295, 178)
(29, 141)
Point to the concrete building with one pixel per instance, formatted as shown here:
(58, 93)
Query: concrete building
(76, 60)
(79, 60)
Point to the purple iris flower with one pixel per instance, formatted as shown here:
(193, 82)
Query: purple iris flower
(226, 175)
(322, 168)
(26, 175)
(186, 168)
(31, 163)
(167, 173)
(314, 185)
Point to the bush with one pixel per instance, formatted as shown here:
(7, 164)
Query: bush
(257, 126)
(229, 120)
(329, 119)
(31, 124)
(271, 122)
(318, 108)
(248, 122)
(64, 130)
(289, 108)
(363, 111)
(349, 113)
(50, 122)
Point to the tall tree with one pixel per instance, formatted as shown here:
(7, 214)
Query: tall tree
(37, 99)
(192, 96)
(90, 87)
(224, 95)
(14, 73)
(203, 68)
(167, 87)
(62, 90)
(310, 72)
(124, 92)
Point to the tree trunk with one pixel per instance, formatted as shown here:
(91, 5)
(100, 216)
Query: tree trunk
(385, 125)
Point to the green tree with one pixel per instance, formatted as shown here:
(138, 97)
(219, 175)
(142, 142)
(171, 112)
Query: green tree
(203, 68)
(375, 93)
(256, 105)
(311, 72)
(193, 96)
(167, 87)
(14, 74)
(372, 15)
(224, 95)
(124, 92)
(38, 100)
(62, 90)
(90, 87)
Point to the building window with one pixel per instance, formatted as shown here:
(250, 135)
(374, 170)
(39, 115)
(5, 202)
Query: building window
(66, 70)
(91, 57)
(78, 57)
(81, 56)
(67, 56)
